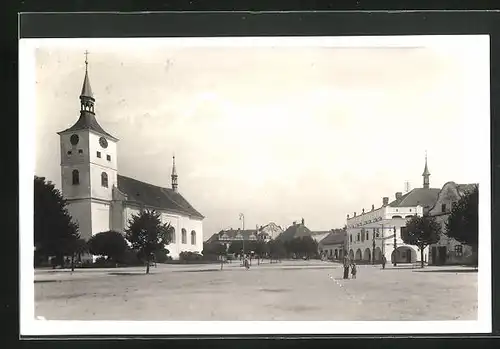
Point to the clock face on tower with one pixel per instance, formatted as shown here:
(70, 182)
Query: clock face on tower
(103, 142)
(74, 139)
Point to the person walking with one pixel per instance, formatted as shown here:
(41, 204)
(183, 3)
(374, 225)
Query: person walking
(346, 267)
(353, 270)
(383, 262)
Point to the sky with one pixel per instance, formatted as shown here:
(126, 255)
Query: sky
(277, 132)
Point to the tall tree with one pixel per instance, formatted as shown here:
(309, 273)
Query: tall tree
(75, 247)
(53, 227)
(421, 232)
(148, 234)
(463, 224)
(110, 243)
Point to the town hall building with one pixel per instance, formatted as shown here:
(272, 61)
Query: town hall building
(100, 199)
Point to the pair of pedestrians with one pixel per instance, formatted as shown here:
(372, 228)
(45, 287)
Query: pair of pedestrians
(349, 265)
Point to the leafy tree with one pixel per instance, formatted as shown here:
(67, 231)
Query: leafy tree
(53, 227)
(308, 246)
(462, 224)
(421, 232)
(276, 249)
(215, 249)
(75, 247)
(110, 243)
(148, 234)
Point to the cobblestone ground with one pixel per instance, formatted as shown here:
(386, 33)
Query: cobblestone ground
(289, 290)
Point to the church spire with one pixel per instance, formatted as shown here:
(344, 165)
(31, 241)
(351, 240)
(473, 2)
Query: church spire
(174, 175)
(426, 174)
(87, 97)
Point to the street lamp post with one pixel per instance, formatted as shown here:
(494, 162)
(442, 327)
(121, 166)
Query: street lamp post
(242, 219)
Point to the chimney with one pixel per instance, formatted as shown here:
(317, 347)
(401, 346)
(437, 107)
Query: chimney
(348, 216)
(399, 195)
(354, 214)
(363, 211)
(294, 223)
(302, 221)
(373, 207)
(385, 201)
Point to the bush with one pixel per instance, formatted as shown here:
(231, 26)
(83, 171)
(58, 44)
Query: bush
(188, 256)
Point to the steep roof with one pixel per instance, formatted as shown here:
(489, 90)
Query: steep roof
(86, 89)
(334, 238)
(87, 121)
(418, 196)
(294, 231)
(156, 197)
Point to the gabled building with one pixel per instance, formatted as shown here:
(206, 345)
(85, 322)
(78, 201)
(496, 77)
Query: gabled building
(100, 199)
(370, 235)
(334, 244)
(449, 250)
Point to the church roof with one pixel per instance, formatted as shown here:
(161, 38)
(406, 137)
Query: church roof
(425, 197)
(156, 197)
(87, 121)
(86, 89)
(296, 230)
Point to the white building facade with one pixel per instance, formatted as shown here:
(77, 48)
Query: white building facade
(99, 199)
(377, 233)
(448, 250)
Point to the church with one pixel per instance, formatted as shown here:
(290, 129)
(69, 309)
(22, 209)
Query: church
(100, 199)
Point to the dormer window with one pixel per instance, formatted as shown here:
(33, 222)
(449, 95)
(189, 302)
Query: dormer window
(443, 208)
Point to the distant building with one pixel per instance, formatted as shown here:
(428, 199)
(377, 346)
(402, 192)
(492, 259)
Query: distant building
(296, 230)
(371, 233)
(320, 235)
(334, 244)
(449, 250)
(263, 233)
(100, 199)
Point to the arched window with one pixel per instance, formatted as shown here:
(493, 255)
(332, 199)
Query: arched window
(104, 179)
(183, 236)
(76, 177)
(193, 237)
(172, 235)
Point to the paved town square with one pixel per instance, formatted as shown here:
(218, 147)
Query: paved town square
(291, 290)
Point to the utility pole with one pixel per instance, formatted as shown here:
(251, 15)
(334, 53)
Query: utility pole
(395, 247)
(373, 247)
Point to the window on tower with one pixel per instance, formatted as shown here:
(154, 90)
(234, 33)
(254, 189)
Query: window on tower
(104, 179)
(98, 154)
(80, 151)
(108, 157)
(76, 177)
(69, 152)
(193, 237)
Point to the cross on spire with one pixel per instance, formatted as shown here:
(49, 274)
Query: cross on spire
(86, 56)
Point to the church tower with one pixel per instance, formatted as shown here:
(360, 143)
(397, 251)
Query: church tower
(426, 174)
(174, 175)
(88, 167)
